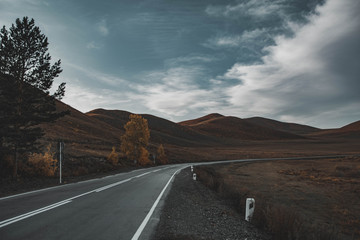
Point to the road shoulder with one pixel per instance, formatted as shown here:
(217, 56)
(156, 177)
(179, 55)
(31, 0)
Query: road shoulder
(192, 211)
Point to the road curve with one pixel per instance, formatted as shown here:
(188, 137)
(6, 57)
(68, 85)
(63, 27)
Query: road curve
(114, 207)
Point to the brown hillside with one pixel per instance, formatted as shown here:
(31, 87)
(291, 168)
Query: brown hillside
(351, 131)
(114, 118)
(82, 134)
(201, 119)
(161, 130)
(282, 126)
(352, 127)
(236, 128)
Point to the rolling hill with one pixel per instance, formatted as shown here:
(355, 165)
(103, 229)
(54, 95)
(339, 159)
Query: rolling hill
(161, 130)
(90, 136)
(282, 126)
(237, 128)
(350, 131)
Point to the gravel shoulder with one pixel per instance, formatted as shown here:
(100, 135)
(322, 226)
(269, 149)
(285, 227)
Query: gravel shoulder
(192, 211)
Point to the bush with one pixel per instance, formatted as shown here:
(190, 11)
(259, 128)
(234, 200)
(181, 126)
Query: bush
(144, 157)
(113, 157)
(161, 155)
(42, 164)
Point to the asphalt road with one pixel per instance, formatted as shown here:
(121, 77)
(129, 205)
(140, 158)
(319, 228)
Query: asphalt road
(123, 206)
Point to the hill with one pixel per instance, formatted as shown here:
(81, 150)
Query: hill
(161, 130)
(282, 126)
(236, 128)
(201, 120)
(82, 134)
(90, 136)
(350, 131)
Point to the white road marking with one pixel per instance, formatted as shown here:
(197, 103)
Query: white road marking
(65, 185)
(30, 214)
(58, 204)
(112, 185)
(147, 218)
(142, 175)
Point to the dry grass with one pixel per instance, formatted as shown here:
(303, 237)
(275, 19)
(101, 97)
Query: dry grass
(298, 199)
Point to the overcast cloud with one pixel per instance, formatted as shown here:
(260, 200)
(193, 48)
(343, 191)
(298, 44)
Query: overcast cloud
(294, 61)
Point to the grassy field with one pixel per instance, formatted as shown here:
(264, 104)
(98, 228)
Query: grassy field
(297, 199)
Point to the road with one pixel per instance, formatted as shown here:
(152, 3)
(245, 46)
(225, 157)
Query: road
(122, 206)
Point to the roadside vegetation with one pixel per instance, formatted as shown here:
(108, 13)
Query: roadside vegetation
(26, 78)
(298, 199)
(26, 106)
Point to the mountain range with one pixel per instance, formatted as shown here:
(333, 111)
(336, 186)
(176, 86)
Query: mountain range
(91, 135)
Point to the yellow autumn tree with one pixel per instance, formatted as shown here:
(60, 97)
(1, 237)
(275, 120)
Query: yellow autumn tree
(144, 157)
(161, 155)
(136, 139)
(113, 157)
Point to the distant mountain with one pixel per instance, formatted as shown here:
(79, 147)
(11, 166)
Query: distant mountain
(236, 128)
(282, 126)
(201, 120)
(352, 127)
(161, 130)
(351, 130)
(91, 135)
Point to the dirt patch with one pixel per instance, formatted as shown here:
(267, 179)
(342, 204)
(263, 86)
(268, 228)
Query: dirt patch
(313, 198)
(192, 211)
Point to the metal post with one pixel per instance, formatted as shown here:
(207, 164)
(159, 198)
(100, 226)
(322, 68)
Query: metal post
(61, 148)
(60, 160)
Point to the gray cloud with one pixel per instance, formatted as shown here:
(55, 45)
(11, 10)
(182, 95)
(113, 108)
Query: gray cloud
(287, 60)
(306, 75)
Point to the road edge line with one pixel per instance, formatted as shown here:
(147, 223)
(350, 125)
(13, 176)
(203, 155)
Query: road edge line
(152, 209)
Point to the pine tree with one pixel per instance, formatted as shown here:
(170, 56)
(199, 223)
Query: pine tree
(26, 77)
(136, 139)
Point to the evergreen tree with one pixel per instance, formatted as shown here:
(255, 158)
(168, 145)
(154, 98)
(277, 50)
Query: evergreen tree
(26, 77)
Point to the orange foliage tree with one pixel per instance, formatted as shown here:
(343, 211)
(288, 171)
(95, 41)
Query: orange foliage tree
(136, 139)
(161, 155)
(113, 157)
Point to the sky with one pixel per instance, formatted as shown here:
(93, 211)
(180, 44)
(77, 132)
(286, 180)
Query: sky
(288, 60)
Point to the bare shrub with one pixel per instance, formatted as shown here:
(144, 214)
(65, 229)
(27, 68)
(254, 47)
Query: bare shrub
(283, 222)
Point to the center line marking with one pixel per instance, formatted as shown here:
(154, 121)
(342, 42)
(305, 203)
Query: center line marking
(66, 201)
(29, 214)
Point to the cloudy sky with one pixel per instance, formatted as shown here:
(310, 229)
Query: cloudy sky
(289, 60)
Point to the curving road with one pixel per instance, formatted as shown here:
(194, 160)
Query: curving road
(123, 206)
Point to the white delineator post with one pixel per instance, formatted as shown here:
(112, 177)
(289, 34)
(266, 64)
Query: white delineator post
(249, 209)
(192, 168)
(194, 176)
